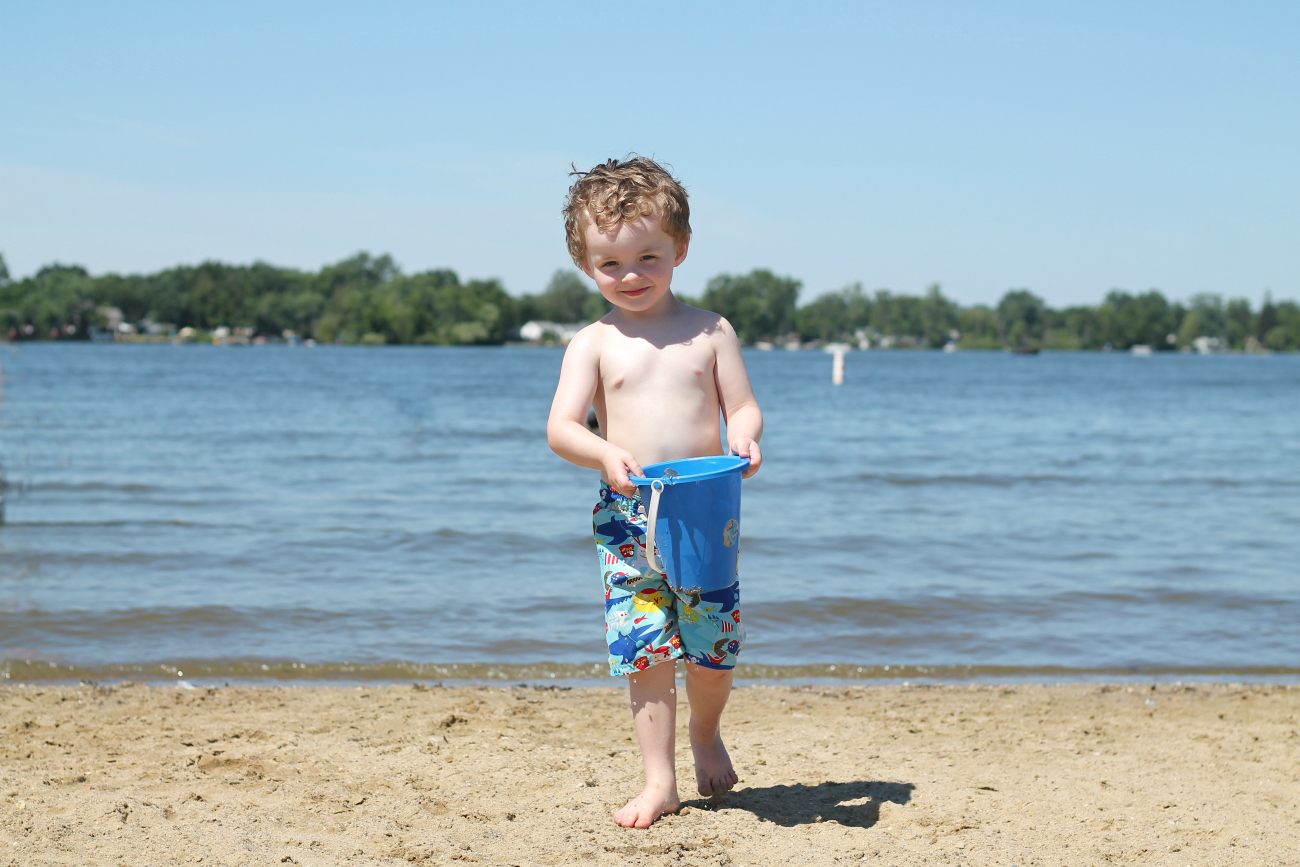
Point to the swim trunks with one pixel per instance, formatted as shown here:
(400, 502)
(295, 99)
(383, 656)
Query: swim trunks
(646, 620)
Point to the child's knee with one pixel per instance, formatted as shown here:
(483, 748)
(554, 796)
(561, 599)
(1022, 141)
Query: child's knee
(706, 674)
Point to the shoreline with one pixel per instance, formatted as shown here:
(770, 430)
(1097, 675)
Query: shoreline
(845, 773)
(206, 673)
(813, 347)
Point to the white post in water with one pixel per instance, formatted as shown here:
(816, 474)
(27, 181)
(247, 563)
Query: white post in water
(837, 367)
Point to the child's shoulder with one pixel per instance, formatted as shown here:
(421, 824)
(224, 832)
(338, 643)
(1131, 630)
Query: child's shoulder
(712, 326)
(695, 320)
(707, 318)
(588, 339)
(685, 324)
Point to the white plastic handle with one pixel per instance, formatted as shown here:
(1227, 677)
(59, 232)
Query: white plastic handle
(656, 488)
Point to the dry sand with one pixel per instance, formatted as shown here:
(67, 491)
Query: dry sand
(1075, 774)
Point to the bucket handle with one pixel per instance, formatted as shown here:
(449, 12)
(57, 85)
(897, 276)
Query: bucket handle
(656, 488)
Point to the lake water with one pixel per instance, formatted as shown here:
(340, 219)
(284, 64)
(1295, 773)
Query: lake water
(362, 514)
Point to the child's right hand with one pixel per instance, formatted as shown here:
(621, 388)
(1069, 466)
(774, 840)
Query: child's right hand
(618, 465)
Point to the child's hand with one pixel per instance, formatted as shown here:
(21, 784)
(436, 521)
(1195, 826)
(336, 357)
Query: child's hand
(748, 448)
(619, 464)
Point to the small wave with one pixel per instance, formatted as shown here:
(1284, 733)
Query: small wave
(597, 673)
(864, 611)
(1088, 555)
(524, 434)
(126, 523)
(1000, 481)
(136, 620)
(1221, 482)
(86, 487)
(910, 481)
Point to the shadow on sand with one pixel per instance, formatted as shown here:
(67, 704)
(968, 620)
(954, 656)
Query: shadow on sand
(854, 805)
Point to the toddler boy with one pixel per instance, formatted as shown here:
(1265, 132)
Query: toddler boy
(657, 373)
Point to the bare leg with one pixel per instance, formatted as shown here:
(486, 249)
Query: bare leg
(708, 690)
(654, 713)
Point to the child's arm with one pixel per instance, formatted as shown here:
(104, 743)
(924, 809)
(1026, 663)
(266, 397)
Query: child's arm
(739, 406)
(566, 430)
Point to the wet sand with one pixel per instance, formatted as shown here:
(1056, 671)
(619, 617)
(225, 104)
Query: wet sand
(1024, 774)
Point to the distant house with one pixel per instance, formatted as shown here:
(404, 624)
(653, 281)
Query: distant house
(540, 331)
(112, 317)
(1209, 345)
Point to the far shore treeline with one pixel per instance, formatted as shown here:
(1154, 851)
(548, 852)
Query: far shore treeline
(368, 300)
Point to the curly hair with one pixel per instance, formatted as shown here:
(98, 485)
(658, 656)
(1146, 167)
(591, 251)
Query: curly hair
(619, 191)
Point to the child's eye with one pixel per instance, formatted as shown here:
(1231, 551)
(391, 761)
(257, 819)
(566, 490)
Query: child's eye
(609, 264)
(648, 257)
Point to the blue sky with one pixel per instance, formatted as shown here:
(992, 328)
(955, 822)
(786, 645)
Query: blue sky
(1064, 148)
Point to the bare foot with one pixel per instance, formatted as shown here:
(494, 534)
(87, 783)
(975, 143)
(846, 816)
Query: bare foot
(713, 771)
(646, 808)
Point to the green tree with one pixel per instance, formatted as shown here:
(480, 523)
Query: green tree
(1285, 335)
(358, 271)
(939, 317)
(886, 316)
(979, 328)
(1210, 315)
(1077, 327)
(1190, 329)
(911, 319)
(835, 315)
(431, 307)
(1022, 318)
(759, 305)
(1238, 322)
(1267, 319)
(352, 308)
(1140, 319)
(566, 299)
(56, 302)
(367, 299)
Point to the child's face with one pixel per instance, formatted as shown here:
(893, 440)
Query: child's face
(633, 262)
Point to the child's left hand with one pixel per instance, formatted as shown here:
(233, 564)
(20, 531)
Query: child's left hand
(748, 448)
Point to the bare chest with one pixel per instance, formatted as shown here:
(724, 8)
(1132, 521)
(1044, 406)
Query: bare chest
(633, 366)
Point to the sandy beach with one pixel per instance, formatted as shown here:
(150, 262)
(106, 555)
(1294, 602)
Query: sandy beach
(1024, 774)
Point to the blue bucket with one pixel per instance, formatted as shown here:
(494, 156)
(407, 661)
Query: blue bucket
(693, 519)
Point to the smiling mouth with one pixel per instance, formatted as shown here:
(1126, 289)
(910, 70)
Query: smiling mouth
(636, 293)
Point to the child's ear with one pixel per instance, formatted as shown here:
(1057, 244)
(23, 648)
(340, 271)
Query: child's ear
(682, 249)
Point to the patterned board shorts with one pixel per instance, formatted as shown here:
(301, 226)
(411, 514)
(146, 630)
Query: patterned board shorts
(646, 620)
